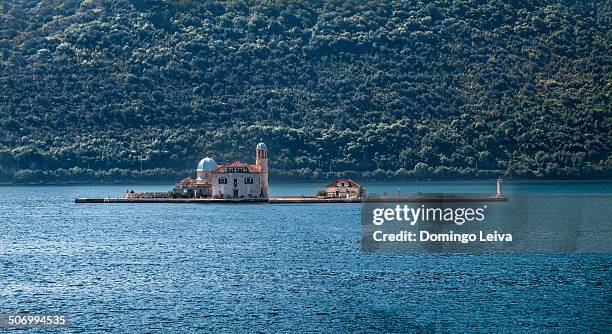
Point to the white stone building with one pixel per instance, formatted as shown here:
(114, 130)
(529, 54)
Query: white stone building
(234, 180)
(237, 180)
(344, 188)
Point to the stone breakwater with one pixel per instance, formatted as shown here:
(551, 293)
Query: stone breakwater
(298, 200)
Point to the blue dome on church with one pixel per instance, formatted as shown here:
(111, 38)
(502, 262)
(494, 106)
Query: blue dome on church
(207, 164)
(262, 146)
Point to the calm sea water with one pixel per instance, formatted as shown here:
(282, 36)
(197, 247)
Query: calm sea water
(275, 268)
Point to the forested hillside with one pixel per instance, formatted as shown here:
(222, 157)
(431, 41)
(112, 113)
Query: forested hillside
(117, 89)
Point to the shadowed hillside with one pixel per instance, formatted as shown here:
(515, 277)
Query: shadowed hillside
(443, 89)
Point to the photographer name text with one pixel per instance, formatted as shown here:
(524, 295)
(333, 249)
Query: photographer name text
(427, 236)
(411, 216)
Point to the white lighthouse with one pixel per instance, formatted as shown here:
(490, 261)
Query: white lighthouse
(498, 190)
(261, 160)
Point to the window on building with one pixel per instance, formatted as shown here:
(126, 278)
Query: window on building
(248, 180)
(222, 180)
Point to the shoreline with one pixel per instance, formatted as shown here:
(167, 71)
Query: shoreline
(293, 200)
(319, 181)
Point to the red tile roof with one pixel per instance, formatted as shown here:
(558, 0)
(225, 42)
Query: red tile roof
(349, 181)
(252, 168)
(236, 163)
(186, 181)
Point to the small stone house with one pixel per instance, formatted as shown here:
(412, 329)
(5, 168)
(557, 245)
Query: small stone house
(344, 188)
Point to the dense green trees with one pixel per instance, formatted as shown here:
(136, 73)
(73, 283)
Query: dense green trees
(118, 89)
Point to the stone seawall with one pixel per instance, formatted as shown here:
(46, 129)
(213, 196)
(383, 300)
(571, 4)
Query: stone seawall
(296, 200)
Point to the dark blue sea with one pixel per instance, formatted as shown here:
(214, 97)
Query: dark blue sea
(279, 268)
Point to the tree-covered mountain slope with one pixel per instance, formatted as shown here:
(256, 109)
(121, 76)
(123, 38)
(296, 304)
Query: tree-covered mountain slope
(426, 89)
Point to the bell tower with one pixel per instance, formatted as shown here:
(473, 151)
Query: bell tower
(261, 160)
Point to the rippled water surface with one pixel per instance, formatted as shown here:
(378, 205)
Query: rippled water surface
(274, 268)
